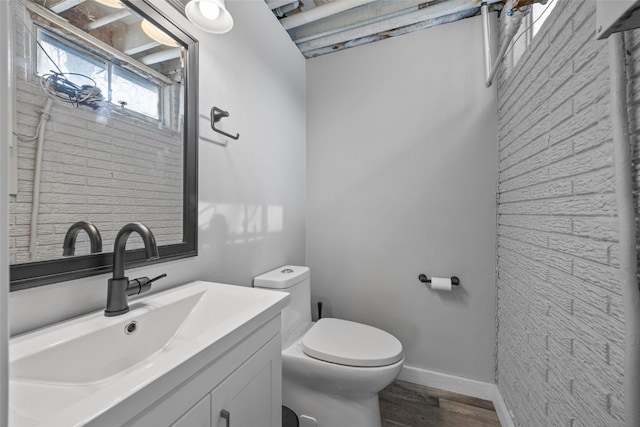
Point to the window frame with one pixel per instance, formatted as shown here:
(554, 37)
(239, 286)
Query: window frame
(110, 67)
(527, 33)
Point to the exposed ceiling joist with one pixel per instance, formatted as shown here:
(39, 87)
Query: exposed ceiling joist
(142, 48)
(321, 12)
(107, 19)
(65, 5)
(75, 34)
(387, 34)
(162, 56)
(274, 4)
(456, 9)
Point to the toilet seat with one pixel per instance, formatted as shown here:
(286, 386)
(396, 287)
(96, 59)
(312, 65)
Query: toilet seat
(350, 343)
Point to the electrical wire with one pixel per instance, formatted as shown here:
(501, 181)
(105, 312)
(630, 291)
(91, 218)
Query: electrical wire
(59, 86)
(33, 137)
(41, 47)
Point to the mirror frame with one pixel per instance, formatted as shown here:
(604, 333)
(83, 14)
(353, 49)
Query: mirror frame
(33, 274)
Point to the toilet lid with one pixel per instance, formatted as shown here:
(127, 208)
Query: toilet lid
(350, 343)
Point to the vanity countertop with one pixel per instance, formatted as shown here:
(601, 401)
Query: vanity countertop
(72, 372)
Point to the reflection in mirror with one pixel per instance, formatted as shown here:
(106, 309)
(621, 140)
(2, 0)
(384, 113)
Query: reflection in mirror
(101, 134)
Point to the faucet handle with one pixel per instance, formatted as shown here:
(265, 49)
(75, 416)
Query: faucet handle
(158, 277)
(142, 284)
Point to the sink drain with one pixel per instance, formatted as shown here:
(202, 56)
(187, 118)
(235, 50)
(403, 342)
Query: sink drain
(131, 327)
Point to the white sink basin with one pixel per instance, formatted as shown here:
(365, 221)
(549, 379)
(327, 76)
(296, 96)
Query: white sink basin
(91, 363)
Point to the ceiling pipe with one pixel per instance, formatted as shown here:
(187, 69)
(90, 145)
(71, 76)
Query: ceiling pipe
(141, 48)
(391, 21)
(486, 38)
(432, 22)
(627, 227)
(162, 56)
(283, 10)
(65, 5)
(321, 12)
(107, 19)
(511, 29)
(274, 4)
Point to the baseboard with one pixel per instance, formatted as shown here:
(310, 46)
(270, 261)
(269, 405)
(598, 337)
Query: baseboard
(501, 408)
(447, 382)
(460, 385)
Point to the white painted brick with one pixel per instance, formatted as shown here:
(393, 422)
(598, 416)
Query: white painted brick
(562, 85)
(594, 205)
(534, 268)
(514, 171)
(531, 237)
(581, 247)
(593, 295)
(555, 224)
(513, 155)
(553, 294)
(616, 306)
(541, 191)
(601, 275)
(606, 326)
(595, 90)
(540, 207)
(514, 245)
(576, 123)
(566, 296)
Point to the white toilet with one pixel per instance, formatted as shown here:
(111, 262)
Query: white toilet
(332, 370)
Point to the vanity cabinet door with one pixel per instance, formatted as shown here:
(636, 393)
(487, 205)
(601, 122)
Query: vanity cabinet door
(252, 395)
(198, 416)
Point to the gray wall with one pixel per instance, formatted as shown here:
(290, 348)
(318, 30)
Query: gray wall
(401, 138)
(560, 313)
(252, 191)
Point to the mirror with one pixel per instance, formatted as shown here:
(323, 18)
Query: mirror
(105, 133)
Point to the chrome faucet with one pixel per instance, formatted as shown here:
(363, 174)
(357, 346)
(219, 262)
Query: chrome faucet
(69, 245)
(119, 286)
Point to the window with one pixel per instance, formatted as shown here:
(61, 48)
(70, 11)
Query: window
(69, 60)
(540, 13)
(120, 87)
(531, 24)
(134, 93)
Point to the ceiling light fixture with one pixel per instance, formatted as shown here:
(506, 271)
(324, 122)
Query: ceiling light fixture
(111, 3)
(209, 15)
(157, 34)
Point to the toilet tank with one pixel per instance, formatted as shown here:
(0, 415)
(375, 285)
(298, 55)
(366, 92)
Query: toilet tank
(294, 280)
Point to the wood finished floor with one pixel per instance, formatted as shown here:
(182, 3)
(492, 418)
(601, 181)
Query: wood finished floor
(405, 404)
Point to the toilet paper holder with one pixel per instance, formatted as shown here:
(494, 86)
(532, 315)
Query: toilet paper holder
(424, 279)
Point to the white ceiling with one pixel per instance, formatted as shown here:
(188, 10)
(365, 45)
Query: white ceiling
(319, 27)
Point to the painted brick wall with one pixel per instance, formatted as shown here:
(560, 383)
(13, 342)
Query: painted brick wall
(101, 166)
(560, 315)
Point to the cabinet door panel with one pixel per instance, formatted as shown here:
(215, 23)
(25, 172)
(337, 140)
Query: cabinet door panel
(198, 416)
(165, 411)
(252, 394)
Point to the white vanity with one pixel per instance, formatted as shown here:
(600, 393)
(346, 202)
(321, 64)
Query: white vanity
(202, 354)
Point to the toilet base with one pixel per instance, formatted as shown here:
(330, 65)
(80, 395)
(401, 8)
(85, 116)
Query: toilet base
(335, 395)
(330, 410)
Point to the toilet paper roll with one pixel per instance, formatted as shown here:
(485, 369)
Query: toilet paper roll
(441, 283)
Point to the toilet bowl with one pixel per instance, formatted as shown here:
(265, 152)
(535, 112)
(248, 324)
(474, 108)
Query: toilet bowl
(333, 369)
